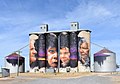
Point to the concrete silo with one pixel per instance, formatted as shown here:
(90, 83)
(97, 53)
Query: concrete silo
(33, 51)
(11, 62)
(84, 37)
(105, 61)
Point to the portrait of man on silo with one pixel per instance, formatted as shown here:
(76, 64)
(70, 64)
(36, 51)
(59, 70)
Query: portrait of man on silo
(33, 55)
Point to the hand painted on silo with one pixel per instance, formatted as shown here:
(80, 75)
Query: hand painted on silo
(84, 52)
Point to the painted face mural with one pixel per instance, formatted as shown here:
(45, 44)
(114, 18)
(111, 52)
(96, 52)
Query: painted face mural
(64, 50)
(84, 51)
(33, 50)
(71, 47)
(51, 50)
(84, 48)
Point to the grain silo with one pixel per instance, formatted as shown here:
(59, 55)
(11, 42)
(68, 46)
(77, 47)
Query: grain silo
(41, 52)
(64, 48)
(84, 50)
(11, 62)
(73, 50)
(33, 54)
(51, 50)
(105, 61)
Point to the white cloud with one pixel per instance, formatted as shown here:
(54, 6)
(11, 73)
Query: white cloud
(89, 12)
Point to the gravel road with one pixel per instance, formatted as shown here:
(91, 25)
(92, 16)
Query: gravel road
(81, 80)
(92, 79)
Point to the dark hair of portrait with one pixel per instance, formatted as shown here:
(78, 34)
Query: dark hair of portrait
(51, 40)
(64, 40)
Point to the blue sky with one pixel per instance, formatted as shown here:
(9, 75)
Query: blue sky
(20, 17)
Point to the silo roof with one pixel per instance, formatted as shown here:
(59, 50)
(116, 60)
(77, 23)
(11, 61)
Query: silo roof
(101, 52)
(13, 56)
(78, 30)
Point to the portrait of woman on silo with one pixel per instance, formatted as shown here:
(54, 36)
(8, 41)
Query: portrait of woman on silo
(64, 50)
(51, 50)
(83, 49)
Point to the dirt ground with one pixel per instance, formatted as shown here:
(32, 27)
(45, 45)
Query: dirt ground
(25, 77)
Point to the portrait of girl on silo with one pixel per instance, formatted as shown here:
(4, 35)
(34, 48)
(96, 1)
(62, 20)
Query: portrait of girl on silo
(83, 49)
(64, 50)
(51, 50)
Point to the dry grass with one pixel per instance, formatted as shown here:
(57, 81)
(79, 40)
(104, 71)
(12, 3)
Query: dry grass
(58, 75)
(23, 77)
(52, 75)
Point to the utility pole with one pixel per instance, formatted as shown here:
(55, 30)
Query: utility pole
(18, 51)
(18, 63)
(58, 54)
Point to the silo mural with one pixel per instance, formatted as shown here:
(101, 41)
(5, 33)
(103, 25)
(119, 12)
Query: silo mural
(105, 61)
(51, 50)
(67, 50)
(64, 50)
(33, 52)
(73, 50)
(41, 51)
(84, 51)
(11, 62)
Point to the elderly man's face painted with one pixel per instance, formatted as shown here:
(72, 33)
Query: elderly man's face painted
(32, 51)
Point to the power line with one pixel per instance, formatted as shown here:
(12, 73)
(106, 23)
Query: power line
(19, 56)
(97, 45)
(22, 47)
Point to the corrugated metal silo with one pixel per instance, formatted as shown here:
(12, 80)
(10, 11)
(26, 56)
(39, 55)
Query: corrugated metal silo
(105, 61)
(11, 62)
